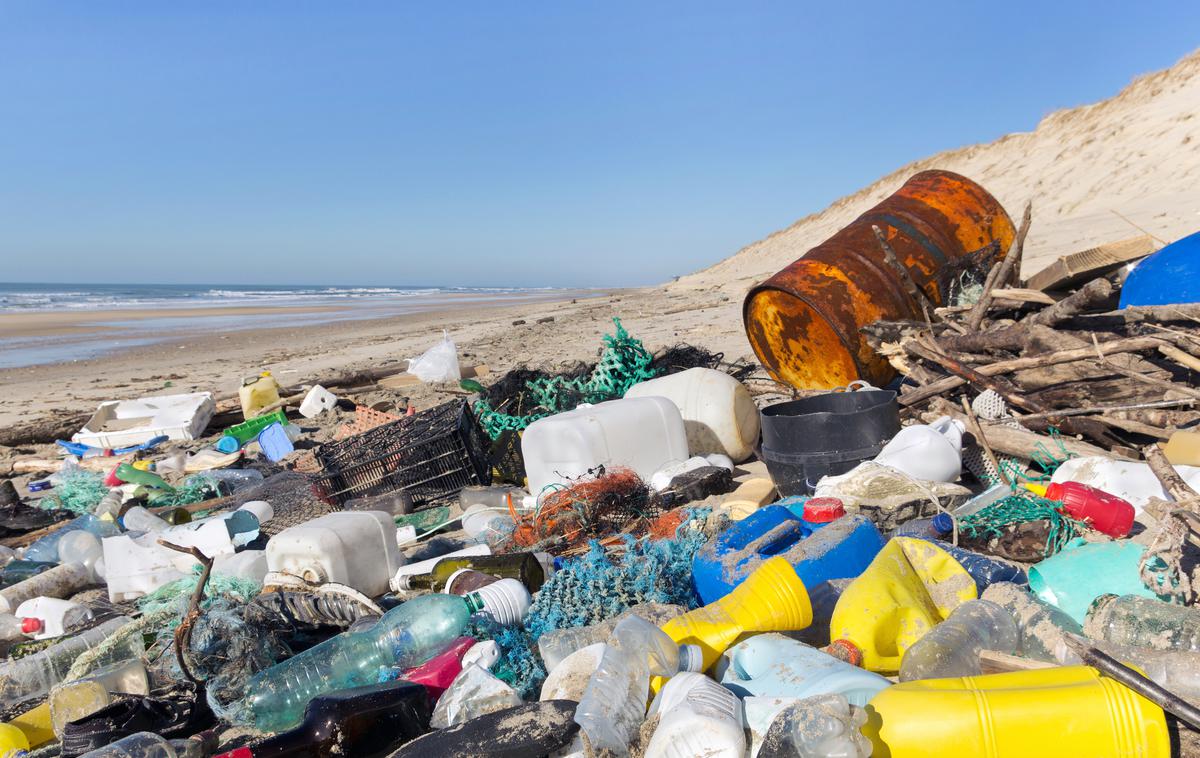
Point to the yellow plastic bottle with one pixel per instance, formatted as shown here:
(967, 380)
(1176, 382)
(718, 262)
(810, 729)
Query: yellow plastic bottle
(34, 726)
(771, 599)
(1067, 710)
(12, 742)
(257, 394)
(911, 586)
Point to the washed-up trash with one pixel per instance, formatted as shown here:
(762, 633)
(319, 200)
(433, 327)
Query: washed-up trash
(124, 423)
(1143, 622)
(951, 649)
(1168, 276)
(816, 727)
(909, 588)
(257, 393)
(1131, 481)
(838, 550)
(776, 666)
(354, 548)
(517, 732)
(1020, 713)
(1072, 579)
(719, 416)
(437, 364)
(825, 435)
(275, 442)
(474, 692)
(930, 453)
(696, 717)
(80, 698)
(642, 434)
(317, 401)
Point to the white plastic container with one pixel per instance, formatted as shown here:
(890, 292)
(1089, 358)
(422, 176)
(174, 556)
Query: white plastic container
(317, 401)
(718, 413)
(248, 564)
(697, 718)
(137, 565)
(120, 423)
(355, 548)
(930, 453)
(1131, 480)
(45, 617)
(643, 434)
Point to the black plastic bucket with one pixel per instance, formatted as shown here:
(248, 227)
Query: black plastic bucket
(823, 435)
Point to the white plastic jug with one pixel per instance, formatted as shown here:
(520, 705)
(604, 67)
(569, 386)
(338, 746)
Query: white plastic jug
(137, 565)
(317, 401)
(1131, 480)
(355, 548)
(718, 413)
(46, 617)
(931, 453)
(643, 434)
(697, 717)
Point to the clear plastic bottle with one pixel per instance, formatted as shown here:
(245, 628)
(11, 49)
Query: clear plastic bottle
(85, 548)
(61, 581)
(46, 548)
(150, 745)
(698, 718)
(613, 706)
(1143, 622)
(952, 647)
(139, 519)
(1040, 624)
(73, 700)
(1176, 670)
(556, 645)
(34, 675)
(822, 726)
(406, 636)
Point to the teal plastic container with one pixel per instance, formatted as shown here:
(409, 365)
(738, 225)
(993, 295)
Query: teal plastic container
(1084, 571)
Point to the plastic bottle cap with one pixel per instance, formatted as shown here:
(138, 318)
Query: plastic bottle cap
(943, 523)
(31, 625)
(822, 510)
(691, 658)
(846, 651)
(1037, 489)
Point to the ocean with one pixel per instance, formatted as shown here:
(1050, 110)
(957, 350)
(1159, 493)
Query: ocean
(52, 323)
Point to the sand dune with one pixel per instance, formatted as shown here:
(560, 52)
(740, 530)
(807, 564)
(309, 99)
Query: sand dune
(1137, 154)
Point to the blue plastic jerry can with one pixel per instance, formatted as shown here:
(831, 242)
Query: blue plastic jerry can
(838, 550)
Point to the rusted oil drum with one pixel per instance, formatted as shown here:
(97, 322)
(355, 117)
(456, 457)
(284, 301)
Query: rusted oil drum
(803, 322)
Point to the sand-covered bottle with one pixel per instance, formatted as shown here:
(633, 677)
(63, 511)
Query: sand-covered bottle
(1143, 622)
(951, 649)
(1040, 624)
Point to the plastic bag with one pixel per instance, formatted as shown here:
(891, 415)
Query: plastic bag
(475, 692)
(437, 364)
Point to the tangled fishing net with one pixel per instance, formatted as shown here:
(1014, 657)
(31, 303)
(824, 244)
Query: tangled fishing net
(519, 665)
(623, 363)
(77, 491)
(995, 519)
(598, 505)
(599, 585)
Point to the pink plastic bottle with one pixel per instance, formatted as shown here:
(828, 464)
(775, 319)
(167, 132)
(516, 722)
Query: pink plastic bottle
(439, 671)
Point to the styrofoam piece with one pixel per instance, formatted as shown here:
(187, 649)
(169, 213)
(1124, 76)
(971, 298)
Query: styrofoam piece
(317, 401)
(355, 548)
(121, 423)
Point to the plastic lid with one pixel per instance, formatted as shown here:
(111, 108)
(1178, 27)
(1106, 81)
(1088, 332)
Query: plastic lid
(31, 625)
(822, 510)
(260, 508)
(943, 523)
(691, 658)
(846, 651)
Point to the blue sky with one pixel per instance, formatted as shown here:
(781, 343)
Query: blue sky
(540, 144)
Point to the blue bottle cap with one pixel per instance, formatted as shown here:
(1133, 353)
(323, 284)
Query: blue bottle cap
(942, 523)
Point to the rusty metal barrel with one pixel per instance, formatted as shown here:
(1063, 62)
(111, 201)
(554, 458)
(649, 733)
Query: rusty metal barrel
(804, 321)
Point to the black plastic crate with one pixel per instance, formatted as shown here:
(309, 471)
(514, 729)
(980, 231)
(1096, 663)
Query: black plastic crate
(431, 455)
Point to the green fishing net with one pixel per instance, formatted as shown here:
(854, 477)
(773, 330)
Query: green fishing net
(77, 491)
(623, 363)
(1020, 509)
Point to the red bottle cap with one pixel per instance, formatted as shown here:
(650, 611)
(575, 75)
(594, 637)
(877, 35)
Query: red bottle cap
(31, 625)
(822, 510)
(238, 752)
(845, 651)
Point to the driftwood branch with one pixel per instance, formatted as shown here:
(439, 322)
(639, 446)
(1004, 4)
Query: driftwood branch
(914, 291)
(1002, 272)
(183, 632)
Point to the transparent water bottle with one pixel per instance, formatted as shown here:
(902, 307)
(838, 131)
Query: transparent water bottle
(406, 636)
(34, 675)
(1176, 670)
(1143, 622)
(556, 645)
(150, 745)
(613, 706)
(952, 647)
(46, 548)
(823, 726)
(1041, 625)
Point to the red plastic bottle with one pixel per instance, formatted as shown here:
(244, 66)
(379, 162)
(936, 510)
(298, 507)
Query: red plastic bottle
(438, 672)
(1106, 513)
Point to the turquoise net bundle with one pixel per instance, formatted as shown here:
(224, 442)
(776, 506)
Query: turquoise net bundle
(623, 363)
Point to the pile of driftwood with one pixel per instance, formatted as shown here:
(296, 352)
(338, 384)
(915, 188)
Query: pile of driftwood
(1111, 381)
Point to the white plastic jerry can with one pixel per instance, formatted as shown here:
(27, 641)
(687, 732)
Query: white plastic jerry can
(355, 548)
(697, 718)
(718, 413)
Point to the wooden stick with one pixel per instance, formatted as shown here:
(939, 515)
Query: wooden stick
(905, 275)
(183, 633)
(1017, 441)
(977, 430)
(1109, 409)
(974, 377)
(1180, 357)
(1002, 271)
(1095, 292)
(1113, 347)
(1172, 482)
(1161, 383)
